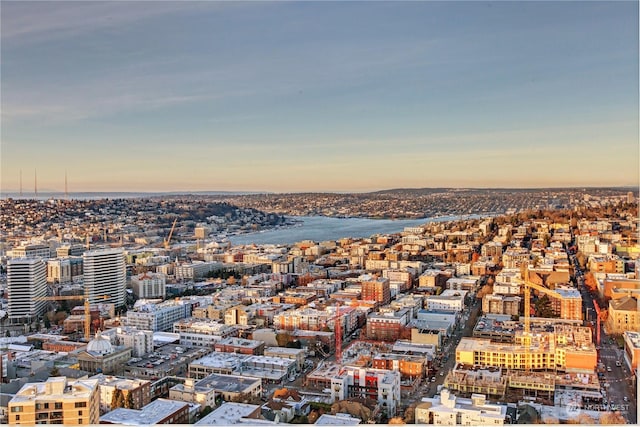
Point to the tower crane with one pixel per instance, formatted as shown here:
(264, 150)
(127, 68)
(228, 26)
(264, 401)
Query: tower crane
(337, 330)
(87, 308)
(167, 241)
(526, 336)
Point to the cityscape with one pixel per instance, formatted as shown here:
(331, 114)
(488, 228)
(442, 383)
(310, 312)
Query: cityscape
(319, 213)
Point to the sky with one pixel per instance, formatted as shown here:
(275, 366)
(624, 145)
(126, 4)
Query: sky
(317, 96)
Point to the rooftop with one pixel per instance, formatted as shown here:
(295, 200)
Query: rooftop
(153, 413)
(228, 413)
(337, 420)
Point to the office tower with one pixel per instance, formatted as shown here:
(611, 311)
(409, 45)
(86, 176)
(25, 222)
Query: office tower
(105, 276)
(26, 281)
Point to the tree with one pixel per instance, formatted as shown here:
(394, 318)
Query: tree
(206, 411)
(129, 403)
(543, 307)
(117, 399)
(54, 372)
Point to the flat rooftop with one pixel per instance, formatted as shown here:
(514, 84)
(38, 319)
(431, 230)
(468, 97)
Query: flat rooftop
(228, 413)
(153, 413)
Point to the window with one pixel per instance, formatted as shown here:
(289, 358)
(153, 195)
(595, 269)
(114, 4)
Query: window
(46, 406)
(81, 404)
(17, 417)
(16, 409)
(58, 405)
(79, 413)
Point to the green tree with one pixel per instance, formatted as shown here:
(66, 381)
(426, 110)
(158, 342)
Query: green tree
(54, 372)
(206, 411)
(129, 403)
(117, 399)
(543, 307)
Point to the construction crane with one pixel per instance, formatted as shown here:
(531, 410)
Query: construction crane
(167, 241)
(337, 330)
(526, 336)
(87, 308)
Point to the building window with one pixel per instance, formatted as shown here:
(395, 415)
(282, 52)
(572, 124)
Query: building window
(81, 404)
(16, 409)
(17, 417)
(58, 405)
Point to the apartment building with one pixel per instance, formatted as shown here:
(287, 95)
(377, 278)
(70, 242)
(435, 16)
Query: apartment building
(623, 315)
(567, 348)
(160, 411)
(149, 285)
(449, 410)
(140, 342)
(26, 282)
(387, 325)
(515, 257)
(56, 401)
(202, 332)
(501, 304)
(64, 270)
(158, 317)
(382, 386)
(376, 289)
(35, 250)
(140, 391)
(105, 276)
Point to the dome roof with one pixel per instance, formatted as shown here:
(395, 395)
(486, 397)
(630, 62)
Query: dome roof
(100, 345)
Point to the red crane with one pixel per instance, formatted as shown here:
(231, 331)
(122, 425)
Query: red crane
(337, 330)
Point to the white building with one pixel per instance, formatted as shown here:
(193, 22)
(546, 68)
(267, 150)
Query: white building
(357, 382)
(158, 317)
(448, 410)
(448, 301)
(26, 281)
(202, 332)
(105, 274)
(31, 251)
(149, 285)
(139, 341)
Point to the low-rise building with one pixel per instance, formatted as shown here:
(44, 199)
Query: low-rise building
(230, 413)
(380, 385)
(623, 315)
(140, 391)
(149, 285)
(447, 409)
(160, 411)
(205, 391)
(102, 357)
(240, 345)
(297, 354)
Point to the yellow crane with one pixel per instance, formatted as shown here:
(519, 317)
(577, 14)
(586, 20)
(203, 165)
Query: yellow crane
(526, 336)
(167, 241)
(87, 308)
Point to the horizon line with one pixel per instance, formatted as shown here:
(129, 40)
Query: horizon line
(41, 193)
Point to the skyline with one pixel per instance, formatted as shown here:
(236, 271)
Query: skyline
(307, 96)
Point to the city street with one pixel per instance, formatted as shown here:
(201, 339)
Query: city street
(618, 382)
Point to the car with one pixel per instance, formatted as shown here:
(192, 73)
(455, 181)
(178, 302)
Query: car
(608, 368)
(433, 379)
(626, 399)
(618, 364)
(442, 374)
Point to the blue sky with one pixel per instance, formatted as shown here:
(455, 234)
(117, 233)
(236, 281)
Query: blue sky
(318, 96)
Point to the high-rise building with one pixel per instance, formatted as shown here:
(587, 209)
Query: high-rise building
(105, 276)
(56, 401)
(26, 281)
